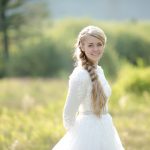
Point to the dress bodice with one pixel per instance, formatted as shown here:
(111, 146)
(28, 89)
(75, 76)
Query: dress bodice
(79, 94)
(86, 103)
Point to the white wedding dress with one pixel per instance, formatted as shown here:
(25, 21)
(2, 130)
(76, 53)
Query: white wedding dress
(86, 131)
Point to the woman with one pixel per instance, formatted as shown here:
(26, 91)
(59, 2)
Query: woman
(86, 118)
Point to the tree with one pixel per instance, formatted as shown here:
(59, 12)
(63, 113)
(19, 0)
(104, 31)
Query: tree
(8, 18)
(13, 15)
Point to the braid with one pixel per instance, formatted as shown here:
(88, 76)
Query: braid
(98, 96)
(88, 66)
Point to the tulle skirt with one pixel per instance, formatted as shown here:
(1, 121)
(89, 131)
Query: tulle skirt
(91, 133)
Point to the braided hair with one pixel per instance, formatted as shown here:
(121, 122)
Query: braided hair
(98, 96)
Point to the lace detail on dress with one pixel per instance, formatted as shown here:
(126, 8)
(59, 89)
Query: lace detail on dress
(105, 84)
(78, 81)
(79, 94)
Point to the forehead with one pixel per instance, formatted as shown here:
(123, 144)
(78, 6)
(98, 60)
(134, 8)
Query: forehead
(91, 39)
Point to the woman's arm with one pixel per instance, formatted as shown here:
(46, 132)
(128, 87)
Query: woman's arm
(76, 93)
(106, 85)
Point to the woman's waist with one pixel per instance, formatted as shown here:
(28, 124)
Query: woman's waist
(89, 112)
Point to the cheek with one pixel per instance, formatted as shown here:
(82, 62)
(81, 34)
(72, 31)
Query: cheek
(101, 49)
(88, 49)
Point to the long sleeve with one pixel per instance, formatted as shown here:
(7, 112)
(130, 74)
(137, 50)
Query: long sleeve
(76, 93)
(105, 83)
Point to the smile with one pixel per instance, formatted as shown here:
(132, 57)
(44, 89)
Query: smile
(95, 54)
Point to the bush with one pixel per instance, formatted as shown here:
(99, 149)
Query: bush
(133, 47)
(125, 42)
(42, 59)
(131, 80)
(2, 66)
(140, 81)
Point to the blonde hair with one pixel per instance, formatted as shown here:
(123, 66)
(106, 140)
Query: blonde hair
(98, 95)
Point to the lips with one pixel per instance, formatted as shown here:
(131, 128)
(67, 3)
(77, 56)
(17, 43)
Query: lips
(95, 54)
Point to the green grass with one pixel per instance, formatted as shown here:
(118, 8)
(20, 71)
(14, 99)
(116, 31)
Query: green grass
(131, 117)
(30, 112)
(31, 115)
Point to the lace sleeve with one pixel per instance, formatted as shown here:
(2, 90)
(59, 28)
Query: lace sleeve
(106, 85)
(76, 93)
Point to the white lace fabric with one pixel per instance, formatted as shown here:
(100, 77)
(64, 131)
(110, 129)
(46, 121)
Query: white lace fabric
(79, 94)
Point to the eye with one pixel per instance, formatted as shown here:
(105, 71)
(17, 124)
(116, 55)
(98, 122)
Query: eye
(90, 45)
(99, 44)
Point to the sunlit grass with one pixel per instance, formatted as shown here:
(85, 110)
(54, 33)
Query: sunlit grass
(31, 115)
(30, 112)
(132, 120)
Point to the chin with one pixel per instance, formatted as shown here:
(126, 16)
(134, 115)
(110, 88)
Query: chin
(93, 60)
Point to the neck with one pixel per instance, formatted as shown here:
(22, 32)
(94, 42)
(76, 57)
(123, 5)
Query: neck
(79, 63)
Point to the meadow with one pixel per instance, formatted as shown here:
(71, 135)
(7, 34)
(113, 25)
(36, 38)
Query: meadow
(33, 83)
(31, 111)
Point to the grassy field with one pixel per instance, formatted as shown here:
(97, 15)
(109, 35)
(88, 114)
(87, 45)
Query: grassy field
(31, 115)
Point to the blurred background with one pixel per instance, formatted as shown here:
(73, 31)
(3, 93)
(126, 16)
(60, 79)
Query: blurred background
(36, 45)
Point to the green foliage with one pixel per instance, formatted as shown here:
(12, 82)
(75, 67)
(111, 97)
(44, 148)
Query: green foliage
(126, 41)
(110, 63)
(42, 59)
(133, 46)
(131, 80)
(140, 81)
(2, 66)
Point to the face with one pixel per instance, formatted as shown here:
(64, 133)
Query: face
(93, 48)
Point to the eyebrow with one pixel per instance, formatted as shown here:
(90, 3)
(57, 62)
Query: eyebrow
(93, 43)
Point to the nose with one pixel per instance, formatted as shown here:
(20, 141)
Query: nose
(95, 49)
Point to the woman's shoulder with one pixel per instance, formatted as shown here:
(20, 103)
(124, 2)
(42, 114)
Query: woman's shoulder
(79, 74)
(99, 68)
